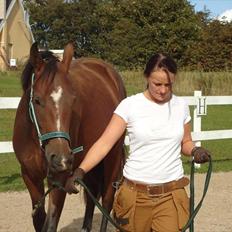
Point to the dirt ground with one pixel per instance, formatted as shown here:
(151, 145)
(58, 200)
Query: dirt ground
(214, 216)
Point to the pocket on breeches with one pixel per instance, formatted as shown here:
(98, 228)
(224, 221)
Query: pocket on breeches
(181, 201)
(124, 207)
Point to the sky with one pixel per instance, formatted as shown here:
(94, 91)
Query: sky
(216, 7)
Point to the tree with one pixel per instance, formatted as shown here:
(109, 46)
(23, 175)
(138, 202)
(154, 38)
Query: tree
(56, 22)
(133, 30)
(127, 32)
(212, 51)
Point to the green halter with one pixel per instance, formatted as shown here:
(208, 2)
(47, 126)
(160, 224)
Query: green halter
(50, 135)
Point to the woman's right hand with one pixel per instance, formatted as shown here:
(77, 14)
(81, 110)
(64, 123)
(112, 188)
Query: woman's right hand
(71, 184)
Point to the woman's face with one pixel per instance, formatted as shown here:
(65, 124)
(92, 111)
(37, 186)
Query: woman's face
(160, 86)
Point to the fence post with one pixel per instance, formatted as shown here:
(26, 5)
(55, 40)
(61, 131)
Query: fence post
(197, 121)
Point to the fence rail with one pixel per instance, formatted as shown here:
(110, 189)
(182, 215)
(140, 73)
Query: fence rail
(199, 102)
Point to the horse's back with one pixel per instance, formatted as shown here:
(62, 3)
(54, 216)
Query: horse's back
(99, 77)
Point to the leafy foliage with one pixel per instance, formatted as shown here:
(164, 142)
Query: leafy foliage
(215, 48)
(127, 32)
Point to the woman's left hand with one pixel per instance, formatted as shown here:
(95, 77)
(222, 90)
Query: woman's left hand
(200, 154)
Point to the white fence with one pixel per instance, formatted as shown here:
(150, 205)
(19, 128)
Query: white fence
(199, 102)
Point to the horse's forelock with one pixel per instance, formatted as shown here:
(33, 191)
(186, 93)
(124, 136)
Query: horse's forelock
(50, 61)
(50, 68)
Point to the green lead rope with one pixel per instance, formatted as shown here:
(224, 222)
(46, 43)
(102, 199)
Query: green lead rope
(193, 212)
(56, 184)
(192, 196)
(103, 211)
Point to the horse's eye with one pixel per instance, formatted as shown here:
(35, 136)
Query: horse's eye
(37, 101)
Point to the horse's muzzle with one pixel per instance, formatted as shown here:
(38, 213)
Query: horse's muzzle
(59, 162)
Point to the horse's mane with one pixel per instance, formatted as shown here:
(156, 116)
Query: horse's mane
(50, 68)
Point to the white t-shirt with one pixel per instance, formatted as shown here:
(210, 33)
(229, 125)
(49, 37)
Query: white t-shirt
(155, 133)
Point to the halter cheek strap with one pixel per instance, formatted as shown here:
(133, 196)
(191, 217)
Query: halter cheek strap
(50, 135)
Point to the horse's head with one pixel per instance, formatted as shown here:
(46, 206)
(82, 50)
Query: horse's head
(51, 100)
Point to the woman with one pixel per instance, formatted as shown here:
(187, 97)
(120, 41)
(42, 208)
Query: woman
(152, 195)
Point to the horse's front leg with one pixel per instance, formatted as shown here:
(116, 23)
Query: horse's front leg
(36, 190)
(94, 184)
(88, 218)
(104, 221)
(55, 206)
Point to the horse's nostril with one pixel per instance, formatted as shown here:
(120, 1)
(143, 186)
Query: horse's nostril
(60, 162)
(56, 160)
(53, 157)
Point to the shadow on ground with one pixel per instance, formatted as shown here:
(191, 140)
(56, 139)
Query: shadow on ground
(77, 224)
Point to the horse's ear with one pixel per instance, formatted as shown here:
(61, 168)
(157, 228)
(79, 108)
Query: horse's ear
(67, 56)
(35, 58)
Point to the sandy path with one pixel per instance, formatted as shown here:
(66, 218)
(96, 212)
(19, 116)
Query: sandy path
(214, 216)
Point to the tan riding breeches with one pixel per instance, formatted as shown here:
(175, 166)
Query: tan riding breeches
(137, 211)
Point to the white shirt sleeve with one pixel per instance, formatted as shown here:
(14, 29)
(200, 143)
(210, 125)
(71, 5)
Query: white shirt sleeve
(122, 109)
(187, 117)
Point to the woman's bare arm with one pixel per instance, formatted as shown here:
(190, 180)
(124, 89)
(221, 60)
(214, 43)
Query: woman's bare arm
(187, 143)
(102, 146)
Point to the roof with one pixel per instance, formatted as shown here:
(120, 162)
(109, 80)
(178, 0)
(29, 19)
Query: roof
(9, 6)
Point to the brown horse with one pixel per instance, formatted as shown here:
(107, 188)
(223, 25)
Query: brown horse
(66, 104)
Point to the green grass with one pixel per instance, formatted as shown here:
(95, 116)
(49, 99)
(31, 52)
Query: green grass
(218, 118)
(221, 155)
(10, 85)
(6, 128)
(10, 177)
(134, 82)
(211, 83)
